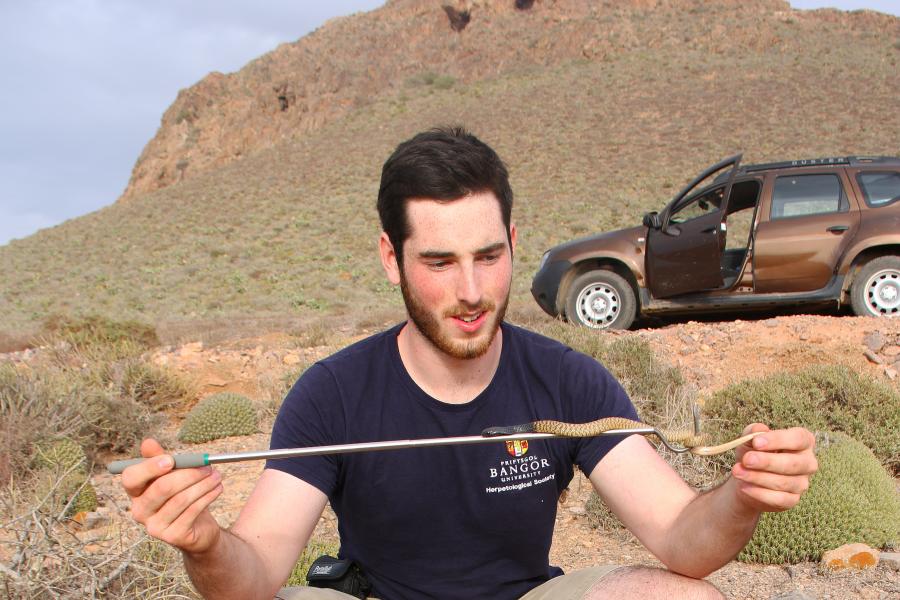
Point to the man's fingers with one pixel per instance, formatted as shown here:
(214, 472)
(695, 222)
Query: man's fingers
(793, 484)
(136, 478)
(183, 500)
(754, 427)
(795, 439)
(162, 489)
(767, 499)
(774, 469)
(151, 448)
(183, 531)
(782, 463)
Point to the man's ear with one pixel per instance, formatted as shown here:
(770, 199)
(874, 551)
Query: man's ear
(389, 259)
(512, 238)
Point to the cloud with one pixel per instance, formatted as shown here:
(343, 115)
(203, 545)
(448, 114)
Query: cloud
(87, 81)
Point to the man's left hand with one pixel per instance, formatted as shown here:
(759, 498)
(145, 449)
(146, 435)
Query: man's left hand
(773, 469)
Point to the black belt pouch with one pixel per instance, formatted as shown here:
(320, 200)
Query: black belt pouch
(338, 574)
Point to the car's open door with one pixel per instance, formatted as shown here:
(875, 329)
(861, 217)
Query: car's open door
(686, 240)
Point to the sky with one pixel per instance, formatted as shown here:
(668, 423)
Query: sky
(85, 84)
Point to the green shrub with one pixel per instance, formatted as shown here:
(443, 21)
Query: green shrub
(55, 401)
(443, 82)
(116, 423)
(850, 499)
(645, 376)
(430, 78)
(153, 386)
(95, 330)
(314, 549)
(34, 407)
(217, 416)
(820, 398)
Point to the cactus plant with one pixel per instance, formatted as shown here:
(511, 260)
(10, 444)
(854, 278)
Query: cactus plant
(55, 489)
(217, 416)
(850, 499)
(62, 454)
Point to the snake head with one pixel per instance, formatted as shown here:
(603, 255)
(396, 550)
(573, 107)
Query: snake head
(511, 430)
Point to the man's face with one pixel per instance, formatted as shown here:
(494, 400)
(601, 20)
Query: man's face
(456, 272)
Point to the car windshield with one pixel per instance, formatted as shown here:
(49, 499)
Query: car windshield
(701, 203)
(710, 179)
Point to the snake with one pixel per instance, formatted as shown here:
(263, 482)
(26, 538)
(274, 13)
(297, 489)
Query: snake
(691, 441)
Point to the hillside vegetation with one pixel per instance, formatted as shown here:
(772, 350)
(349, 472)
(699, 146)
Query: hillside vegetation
(289, 231)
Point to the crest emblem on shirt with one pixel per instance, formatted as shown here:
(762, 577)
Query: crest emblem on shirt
(517, 447)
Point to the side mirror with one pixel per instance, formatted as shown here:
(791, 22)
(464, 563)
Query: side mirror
(651, 220)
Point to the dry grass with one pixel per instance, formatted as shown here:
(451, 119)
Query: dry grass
(95, 389)
(88, 383)
(44, 554)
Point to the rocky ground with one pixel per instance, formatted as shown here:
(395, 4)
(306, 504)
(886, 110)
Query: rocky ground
(711, 355)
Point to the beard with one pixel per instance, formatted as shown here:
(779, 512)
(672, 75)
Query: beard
(430, 325)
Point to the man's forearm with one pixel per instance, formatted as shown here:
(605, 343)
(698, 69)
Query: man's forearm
(711, 531)
(231, 568)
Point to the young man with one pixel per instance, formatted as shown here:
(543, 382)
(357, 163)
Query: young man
(459, 521)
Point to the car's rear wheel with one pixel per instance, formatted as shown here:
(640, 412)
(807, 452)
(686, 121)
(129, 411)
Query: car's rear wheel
(601, 300)
(876, 288)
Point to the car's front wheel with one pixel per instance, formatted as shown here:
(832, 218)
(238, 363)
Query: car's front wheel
(876, 288)
(602, 300)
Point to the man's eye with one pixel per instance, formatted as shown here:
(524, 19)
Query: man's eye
(489, 258)
(441, 264)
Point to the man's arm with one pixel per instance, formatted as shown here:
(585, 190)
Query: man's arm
(254, 557)
(263, 544)
(695, 534)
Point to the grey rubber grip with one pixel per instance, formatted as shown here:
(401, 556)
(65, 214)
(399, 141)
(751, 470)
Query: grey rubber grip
(182, 461)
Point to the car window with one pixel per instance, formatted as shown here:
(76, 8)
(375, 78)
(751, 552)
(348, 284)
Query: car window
(801, 195)
(702, 204)
(880, 189)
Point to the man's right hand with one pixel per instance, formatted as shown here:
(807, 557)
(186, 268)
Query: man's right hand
(172, 504)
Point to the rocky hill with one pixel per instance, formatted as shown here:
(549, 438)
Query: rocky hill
(350, 61)
(264, 181)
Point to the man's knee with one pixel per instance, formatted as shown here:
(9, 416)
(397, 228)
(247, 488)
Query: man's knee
(310, 593)
(649, 583)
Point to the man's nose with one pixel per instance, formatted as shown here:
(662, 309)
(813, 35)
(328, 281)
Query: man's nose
(468, 288)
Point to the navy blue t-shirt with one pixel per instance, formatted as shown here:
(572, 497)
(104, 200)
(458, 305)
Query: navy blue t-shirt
(452, 521)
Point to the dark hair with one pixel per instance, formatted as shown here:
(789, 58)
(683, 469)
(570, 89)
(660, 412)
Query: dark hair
(443, 164)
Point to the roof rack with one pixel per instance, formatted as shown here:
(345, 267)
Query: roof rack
(852, 161)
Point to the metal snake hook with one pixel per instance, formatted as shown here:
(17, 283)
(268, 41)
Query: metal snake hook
(695, 411)
(665, 442)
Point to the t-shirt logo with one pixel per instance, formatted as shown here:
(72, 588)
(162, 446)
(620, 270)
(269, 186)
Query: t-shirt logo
(517, 447)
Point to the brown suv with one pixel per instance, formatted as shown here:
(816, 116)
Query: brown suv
(820, 231)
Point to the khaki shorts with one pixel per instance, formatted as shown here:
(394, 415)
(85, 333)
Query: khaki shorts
(572, 586)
